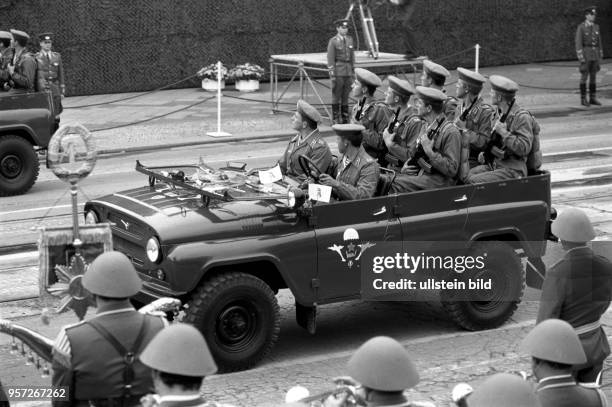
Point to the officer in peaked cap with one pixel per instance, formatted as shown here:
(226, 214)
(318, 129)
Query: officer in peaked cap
(408, 125)
(97, 359)
(6, 57)
(503, 390)
(341, 65)
(590, 53)
(308, 141)
(355, 174)
(517, 133)
(577, 289)
(50, 74)
(474, 116)
(435, 76)
(439, 148)
(180, 359)
(384, 369)
(555, 348)
(370, 113)
(22, 69)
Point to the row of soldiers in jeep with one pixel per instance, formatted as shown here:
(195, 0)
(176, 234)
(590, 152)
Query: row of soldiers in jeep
(420, 137)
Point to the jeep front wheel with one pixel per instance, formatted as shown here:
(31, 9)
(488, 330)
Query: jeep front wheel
(238, 315)
(18, 166)
(488, 308)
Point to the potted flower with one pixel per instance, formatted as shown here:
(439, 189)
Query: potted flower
(208, 75)
(247, 76)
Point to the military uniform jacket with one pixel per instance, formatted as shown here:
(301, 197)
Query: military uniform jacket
(313, 147)
(407, 131)
(375, 117)
(578, 289)
(91, 367)
(358, 176)
(446, 149)
(341, 55)
(563, 391)
(50, 74)
(588, 42)
(24, 76)
(518, 142)
(6, 57)
(477, 124)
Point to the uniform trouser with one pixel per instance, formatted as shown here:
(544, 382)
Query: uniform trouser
(483, 173)
(588, 70)
(408, 183)
(341, 88)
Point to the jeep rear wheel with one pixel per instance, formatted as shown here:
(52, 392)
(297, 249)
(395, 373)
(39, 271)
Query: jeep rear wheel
(18, 166)
(238, 315)
(485, 309)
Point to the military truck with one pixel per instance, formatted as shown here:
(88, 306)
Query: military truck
(225, 244)
(26, 126)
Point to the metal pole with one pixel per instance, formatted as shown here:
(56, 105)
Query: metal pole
(219, 97)
(75, 215)
(477, 62)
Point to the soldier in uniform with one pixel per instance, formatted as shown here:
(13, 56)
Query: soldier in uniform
(97, 359)
(435, 76)
(179, 359)
(384, 370)
(50, 74)
(443, 151)
(590, 52)
(307, 142)
(341, 63)
(555, 348)
(6, 57)
(355, 175)
(503, 390)
(476, 114)
(516, 133)
(408, 123)
(578, 289)
(22, 69)
(373, 115)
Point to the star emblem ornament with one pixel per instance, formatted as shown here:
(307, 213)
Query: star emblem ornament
(69, 286)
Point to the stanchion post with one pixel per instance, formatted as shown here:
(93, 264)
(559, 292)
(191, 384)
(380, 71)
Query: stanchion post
(218, 133)
(477, 62)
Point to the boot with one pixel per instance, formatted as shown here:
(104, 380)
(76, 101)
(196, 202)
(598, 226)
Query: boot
(592, 92)
(583, 99)
(345, 114)
(336, 113)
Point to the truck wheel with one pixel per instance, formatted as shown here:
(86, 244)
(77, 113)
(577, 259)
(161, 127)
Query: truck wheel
(238, 315)
(18, 166)
(485, 309)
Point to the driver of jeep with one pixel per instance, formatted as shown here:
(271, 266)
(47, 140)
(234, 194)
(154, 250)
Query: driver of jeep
(355, 174)
(308, 142)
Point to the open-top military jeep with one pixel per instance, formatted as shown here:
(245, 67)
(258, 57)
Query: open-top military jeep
(224, 244)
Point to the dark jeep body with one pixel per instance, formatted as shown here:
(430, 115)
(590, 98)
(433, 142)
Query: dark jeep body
(227, 258)
(26, 124)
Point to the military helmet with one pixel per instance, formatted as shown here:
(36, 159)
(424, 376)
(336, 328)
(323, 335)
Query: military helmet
(503, 390)
(573, 225)
(112, 275)
(554, 340)
(179, 349)
(383, 364)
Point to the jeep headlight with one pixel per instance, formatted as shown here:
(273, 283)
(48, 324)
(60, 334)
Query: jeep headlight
(152, 248)
(91, 218)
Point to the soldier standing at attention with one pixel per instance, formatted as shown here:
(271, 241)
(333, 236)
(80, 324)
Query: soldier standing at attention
(50, 75)
(589, 51)
(97, 359)
(578, 289)
(341, 65)
(22, 68)
(6, 57)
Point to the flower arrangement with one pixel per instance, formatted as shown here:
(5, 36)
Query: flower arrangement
(246, 72)
(211, 71)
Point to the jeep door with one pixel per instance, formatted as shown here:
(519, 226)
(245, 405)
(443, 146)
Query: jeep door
(361, 222)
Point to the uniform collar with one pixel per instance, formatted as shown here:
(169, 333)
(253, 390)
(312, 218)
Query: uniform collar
(578, 250)
(181, 400)
(116, 308)
(551, 382)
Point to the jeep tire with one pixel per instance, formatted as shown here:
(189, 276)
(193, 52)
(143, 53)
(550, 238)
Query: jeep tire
(18, 165)
(490, 308)
(238, 314)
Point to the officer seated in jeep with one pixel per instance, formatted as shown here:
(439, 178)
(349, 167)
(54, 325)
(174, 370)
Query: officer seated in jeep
(355, 174)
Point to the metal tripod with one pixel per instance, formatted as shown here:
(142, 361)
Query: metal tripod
(367, 25)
